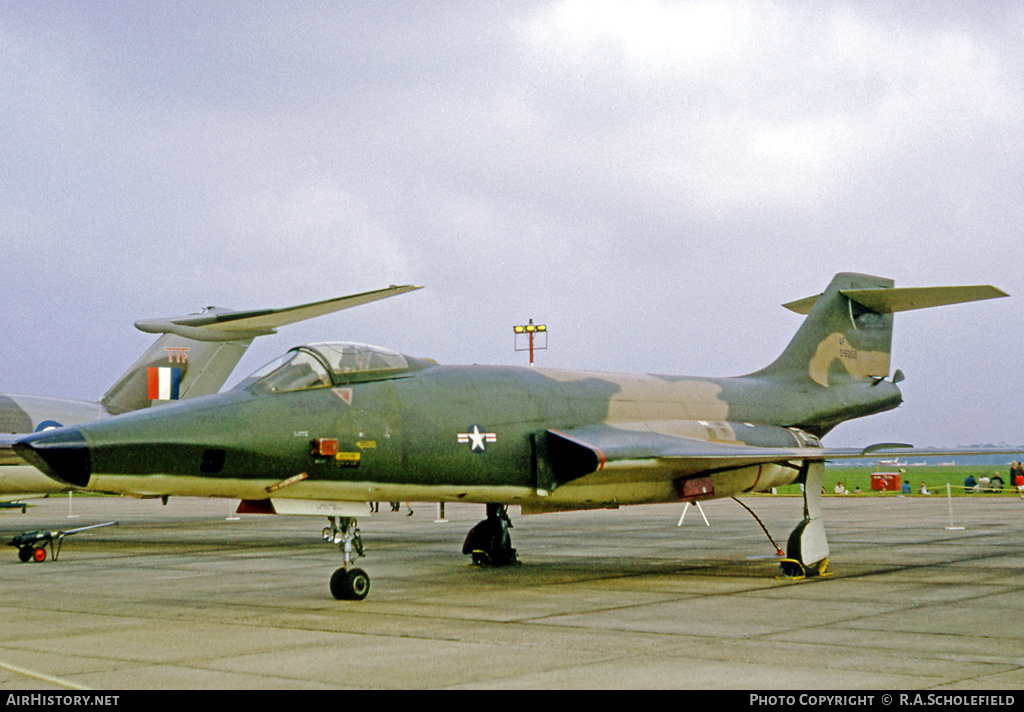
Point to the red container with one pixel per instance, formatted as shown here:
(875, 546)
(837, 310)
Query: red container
(886, 481)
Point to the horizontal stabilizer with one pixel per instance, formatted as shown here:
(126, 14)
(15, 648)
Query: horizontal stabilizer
(223, 325)
(887, 301)
(898, 299)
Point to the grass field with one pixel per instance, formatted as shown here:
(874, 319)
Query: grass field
(934, 478)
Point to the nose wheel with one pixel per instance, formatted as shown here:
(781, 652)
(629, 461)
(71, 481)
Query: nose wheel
(347, 583)
(350, 584)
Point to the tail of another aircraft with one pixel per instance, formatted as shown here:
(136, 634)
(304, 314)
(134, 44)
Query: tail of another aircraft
(174, 368)
(847, 335)
(196, 353)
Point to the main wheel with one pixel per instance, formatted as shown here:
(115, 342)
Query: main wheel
(350, 584)
(39, 554)
(25, 554)
(792, 569)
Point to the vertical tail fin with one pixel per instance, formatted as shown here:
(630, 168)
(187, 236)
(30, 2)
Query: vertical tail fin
(847, 335)
(174, 368)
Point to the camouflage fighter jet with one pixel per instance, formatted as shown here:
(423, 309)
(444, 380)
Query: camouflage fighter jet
(193, 357)
(331, 425)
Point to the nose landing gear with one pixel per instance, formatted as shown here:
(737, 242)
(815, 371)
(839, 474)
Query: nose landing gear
(347, 583)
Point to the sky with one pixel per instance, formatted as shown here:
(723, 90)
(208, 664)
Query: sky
(651, 180)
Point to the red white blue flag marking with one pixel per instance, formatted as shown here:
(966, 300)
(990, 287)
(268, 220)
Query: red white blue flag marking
(164, 383)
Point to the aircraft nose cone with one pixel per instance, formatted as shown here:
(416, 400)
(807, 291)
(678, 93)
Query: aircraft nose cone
(62, 454)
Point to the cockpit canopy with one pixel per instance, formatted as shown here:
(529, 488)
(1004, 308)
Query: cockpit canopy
(326, 364)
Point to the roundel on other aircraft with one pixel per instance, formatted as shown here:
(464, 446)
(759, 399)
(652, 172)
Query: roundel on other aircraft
(47, 425)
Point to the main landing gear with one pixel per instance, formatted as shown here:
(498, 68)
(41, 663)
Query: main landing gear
(347, 583)
(489, 542)
(807, 548)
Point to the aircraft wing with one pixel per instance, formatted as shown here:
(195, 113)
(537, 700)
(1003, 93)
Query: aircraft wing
(223, 325)
(16, 501)
(606, 453)
(7, 454)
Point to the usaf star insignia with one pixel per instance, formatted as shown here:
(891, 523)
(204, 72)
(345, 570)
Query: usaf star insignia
(476, 438)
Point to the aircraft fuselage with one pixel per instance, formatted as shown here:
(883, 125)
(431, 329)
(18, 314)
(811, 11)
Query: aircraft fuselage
(455, 433)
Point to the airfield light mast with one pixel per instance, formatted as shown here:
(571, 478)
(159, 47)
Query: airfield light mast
(531, 330)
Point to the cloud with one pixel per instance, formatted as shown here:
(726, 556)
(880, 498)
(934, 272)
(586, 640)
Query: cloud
(651, 179)
(756, 106)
